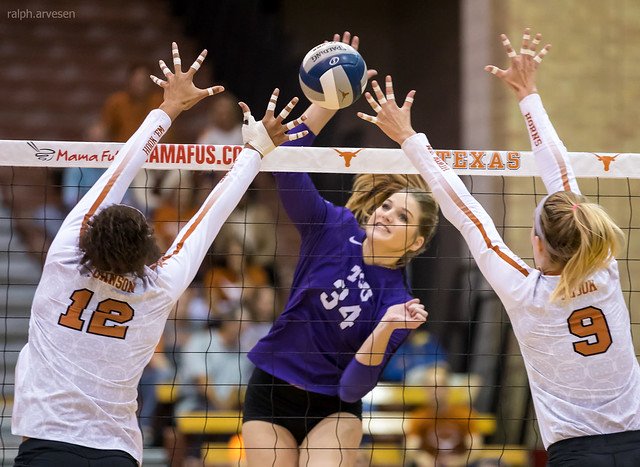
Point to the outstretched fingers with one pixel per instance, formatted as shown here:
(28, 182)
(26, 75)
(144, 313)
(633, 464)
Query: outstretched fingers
(160, 82)
(389, 88)
(545, 50)
(165, 69)
(210, 91)
(195, 66)
(494, 70)
(284, 113)
(298, 135)
(379, 95)
(372, 102)
(273, 100)
(507, 46)
(177, 62)
(408, 101)
(368, 118)
(526, 38)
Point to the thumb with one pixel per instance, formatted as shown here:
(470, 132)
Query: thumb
(494, 70)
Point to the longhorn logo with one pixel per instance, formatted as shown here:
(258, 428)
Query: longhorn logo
(347, 155)
(606, 160)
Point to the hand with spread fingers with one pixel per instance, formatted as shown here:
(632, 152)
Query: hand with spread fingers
(521, 74)
(180, 93)
(355, 43)
(268, 133)
(394, 121)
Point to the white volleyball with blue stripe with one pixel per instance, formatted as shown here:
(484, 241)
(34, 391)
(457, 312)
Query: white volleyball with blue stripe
(333, 75)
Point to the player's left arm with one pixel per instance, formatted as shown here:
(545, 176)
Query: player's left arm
(550, 153)
(504, 270)
(179, 94)
(363, 372)
(182, 261)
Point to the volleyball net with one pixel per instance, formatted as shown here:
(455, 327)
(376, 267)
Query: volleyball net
(461, 377)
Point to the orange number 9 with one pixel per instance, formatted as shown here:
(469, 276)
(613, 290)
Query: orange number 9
(590, 322)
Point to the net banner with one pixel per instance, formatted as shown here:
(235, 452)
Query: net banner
(317, 159)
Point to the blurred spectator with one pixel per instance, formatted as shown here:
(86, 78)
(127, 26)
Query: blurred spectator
(261, 306)
(420, 361)
(213, 368)
(32, 195)
(224, 125)
(441, 435)
(236, 278)
(159, 370)
(122, 114)
(253, 224)
(124, 111)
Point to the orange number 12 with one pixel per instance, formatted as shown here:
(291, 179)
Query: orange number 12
(107, 310)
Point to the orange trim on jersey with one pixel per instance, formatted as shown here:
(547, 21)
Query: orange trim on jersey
(192, 227)
(564, 175)
(464, 208)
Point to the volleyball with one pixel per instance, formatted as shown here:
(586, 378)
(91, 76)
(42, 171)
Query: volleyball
(333, 75)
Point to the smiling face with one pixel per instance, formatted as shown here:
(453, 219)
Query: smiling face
(392, 229)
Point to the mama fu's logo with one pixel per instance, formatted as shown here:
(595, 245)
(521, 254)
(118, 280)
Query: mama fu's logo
(43, 154)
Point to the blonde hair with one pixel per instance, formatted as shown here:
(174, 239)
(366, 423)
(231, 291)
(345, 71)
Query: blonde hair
(580, 236)
(369, 191)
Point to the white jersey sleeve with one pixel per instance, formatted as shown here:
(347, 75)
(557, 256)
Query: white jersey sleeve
(549, 151)
(112, 185)
(181, 262)
(504, 270)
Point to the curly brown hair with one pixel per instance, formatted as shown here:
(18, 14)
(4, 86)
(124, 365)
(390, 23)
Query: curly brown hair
(118, 240)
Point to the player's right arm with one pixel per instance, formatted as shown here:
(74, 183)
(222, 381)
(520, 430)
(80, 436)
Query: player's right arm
(299, 196)
(504, 270)
(550, 153)
(179, 94)
(180, 264)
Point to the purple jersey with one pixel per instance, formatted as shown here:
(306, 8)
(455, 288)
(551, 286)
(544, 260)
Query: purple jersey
(336, 299)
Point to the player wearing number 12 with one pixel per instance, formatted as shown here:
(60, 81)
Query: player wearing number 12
(99, 310)
(569, 315)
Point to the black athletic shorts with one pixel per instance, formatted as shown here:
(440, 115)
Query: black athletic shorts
(43, 453)
(615, 449)
(270, 399)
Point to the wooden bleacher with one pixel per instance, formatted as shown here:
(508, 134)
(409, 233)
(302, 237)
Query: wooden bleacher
(384, 430)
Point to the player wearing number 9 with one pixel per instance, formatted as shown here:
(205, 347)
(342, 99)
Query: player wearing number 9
(99, 310)
(569, 315)
(348, 311)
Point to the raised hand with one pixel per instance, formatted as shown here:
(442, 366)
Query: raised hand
(268, 133)
(180, 93)
(394, 121)
(409, 315)
(521, 74)
(355, 43)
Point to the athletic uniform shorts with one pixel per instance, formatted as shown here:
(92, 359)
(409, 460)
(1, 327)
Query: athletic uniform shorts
(270, 399)
(43, 453)
(615, 449)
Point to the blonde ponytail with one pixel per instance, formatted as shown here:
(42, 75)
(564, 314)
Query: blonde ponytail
(581, 237)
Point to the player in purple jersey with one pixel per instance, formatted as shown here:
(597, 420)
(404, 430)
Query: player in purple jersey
(348, 311)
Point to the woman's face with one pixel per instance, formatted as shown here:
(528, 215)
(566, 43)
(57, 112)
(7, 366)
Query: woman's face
(393, 226)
